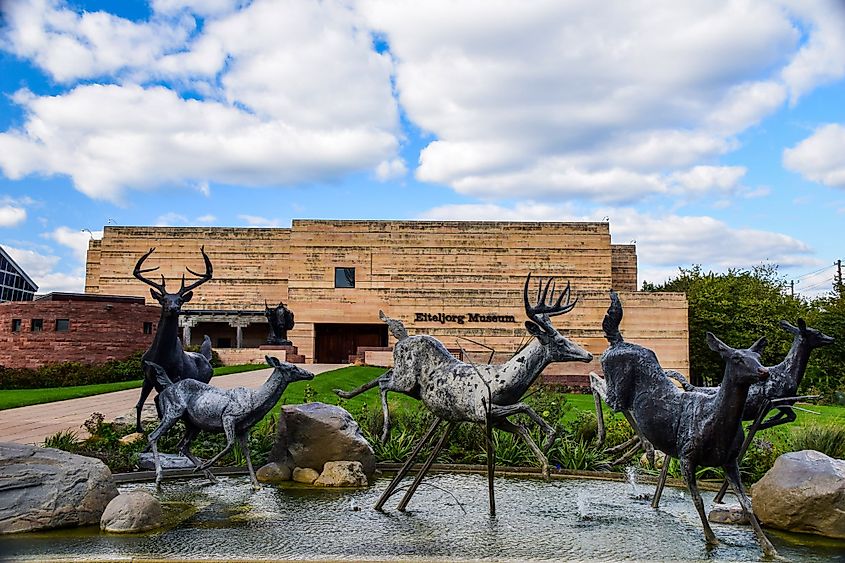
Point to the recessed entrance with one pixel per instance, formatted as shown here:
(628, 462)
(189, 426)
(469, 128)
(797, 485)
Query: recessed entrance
(334, 343)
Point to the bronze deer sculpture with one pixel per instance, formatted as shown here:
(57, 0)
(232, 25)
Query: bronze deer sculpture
(700, 429)
(484, 394)
(166, 349)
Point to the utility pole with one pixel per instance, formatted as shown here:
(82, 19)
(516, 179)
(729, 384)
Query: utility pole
(792, 288)
(838, 281)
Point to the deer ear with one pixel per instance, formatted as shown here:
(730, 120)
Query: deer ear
(187, 296)
(535, 330)
(156, 295)
(717, 345)
(758, 346)
(788, 327)
(802, 325)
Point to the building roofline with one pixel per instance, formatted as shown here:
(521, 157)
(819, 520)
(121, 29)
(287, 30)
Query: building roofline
(18, 268)
(95, 297)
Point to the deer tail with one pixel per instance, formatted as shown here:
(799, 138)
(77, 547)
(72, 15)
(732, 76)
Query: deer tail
(611, 321)
(160, 374)
(205, 349)
(396, 328)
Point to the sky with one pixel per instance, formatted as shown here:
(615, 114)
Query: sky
(709, 132)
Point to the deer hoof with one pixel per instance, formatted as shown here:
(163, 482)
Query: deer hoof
(550, 440)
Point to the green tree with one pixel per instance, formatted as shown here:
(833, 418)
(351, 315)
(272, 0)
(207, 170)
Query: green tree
(826, 371)
(738, 306)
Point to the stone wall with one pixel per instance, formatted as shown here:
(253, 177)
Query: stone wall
(98, 331)
(624, 267)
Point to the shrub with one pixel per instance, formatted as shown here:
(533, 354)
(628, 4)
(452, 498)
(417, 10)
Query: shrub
(66, 374)
(826, 438)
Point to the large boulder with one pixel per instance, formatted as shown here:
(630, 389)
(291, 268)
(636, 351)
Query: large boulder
(315, 433)
(42, 488)
(803, 492)
(132, 512)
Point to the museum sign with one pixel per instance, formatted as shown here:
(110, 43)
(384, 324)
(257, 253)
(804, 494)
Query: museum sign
(444, 318)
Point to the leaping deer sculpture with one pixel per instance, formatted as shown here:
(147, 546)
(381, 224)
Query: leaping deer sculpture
(486, 394)
(166, 349)
(700, 429)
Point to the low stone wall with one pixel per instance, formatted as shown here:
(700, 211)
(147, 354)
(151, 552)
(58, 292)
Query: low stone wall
(237, 356)
(378, 358)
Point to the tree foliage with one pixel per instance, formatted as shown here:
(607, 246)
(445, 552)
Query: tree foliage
(738, 306)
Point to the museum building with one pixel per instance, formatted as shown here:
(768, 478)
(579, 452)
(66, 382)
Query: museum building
(462, 282)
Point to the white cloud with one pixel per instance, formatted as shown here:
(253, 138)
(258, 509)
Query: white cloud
(11, 216)
(258, 221)
(820, 157)
(664, 241)
(75, 240)
(35, 264)
(272, 74)
(171, 220)
(391, 169)
(209, 218)
(703, 179)
(554, 98)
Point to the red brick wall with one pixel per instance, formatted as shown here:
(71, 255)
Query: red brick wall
(99, 331)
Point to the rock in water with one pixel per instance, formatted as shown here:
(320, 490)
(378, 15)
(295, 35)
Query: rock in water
(132, 512)
(42, 488)
(342, 474)
(315, 433)
(728, 514)
(146, 460)
(305, 475)
(273, 473)
(803, 492)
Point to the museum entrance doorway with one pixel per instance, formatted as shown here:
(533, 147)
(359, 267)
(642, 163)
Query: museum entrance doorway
(334, 343)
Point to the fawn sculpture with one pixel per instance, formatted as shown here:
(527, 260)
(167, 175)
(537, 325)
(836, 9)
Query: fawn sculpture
(700, 429)
(204, 407)
(166, 349)
(488, 394)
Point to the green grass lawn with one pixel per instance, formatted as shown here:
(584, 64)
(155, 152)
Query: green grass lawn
(11, 398)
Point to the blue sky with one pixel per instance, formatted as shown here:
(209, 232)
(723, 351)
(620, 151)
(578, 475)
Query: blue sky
(709, 132)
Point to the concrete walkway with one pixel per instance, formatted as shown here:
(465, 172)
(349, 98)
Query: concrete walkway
(30, 425)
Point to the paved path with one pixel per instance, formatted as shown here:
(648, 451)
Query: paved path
(30, 425)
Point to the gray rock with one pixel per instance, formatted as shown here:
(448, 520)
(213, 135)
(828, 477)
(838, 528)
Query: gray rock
(132, 512)
(728, 514)
(803, 492)
(168, 461)
(305, 475)
(43, 488)
(315, 433)
(342, 474)
(273, 473)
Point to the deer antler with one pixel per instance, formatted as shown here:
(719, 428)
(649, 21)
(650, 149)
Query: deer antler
(138, 271)
(202, 277)
(541, 312)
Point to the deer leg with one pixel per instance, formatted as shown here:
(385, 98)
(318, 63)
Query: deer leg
(185, 449)
(244, 442)
(504, 411)
(408, 463)
(732, 471)
(146, 389)
(403, 504)
(152, 440)
(649, 449)
(519, 430)
(229, 429)
(784, 415)
(365, 387)
(385, 409)
(688, 470)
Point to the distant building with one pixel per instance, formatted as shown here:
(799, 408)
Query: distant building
(15, 284)
(73, 327)
(461, 282)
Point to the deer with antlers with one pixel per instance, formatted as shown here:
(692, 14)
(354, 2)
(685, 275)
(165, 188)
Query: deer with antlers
(460, 392)
(166, 349)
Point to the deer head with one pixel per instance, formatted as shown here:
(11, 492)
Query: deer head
(743, 364)
(540, 325)
(290, 372)
(171, 303)
(814, 338)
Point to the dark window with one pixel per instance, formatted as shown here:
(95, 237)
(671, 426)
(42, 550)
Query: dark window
(62, 325)
(16, 325)
(148, 328)
(37, 325)
(344, 277)
(224, 342)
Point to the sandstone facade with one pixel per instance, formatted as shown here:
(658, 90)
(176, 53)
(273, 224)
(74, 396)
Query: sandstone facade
(453, 280)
